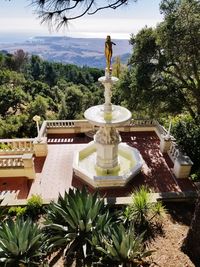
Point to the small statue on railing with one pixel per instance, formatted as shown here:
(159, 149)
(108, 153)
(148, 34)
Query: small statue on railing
(108, 53)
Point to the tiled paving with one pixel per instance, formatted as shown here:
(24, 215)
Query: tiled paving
(55, 175)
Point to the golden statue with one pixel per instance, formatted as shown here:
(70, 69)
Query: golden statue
(108, 51)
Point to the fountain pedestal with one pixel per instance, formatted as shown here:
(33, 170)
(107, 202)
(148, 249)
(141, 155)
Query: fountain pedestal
(107, 140)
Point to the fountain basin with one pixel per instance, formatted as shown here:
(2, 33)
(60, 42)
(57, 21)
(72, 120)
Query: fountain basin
(130, 164)
(117, 117)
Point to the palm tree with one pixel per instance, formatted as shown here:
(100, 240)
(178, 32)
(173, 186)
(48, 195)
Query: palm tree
(21, 244)
(72, 221)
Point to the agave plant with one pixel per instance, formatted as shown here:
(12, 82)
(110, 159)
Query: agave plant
(21, 243)
(72, 221)
(122, 246)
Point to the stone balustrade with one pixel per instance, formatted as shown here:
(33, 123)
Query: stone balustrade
(142, 122)
(17, 166)
(24, 145)
(16, 146)
(11, 161)
(174, 151)
(182, 163)
(69, 126)
(60, 124)
(160, 130)
(81, 126)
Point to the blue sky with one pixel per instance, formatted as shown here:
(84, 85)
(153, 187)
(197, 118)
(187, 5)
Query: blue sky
(16, 16)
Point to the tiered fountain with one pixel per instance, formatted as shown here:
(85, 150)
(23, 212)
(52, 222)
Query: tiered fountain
(106, 162)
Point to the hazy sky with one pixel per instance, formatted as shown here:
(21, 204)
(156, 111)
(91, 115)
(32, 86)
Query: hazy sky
(16, 16)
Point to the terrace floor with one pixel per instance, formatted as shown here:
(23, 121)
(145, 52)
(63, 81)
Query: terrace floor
(54, 174)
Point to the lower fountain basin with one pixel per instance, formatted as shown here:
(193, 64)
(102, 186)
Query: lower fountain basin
(130, 164)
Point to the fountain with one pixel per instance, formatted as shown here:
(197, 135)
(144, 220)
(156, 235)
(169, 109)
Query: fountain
(106, 162)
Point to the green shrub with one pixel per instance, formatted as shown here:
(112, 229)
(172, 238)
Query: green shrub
(34, 205)
(187, 134)
(5, 146)
(142, 212)
(196, 176)
(17, 211)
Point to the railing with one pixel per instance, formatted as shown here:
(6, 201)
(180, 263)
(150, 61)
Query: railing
(70, 126)
(17, 146)
(11, 161)
(142, 122)
(66, 124)
(17, 166)
(60, 124)
(86, 124)
(160, 128)
(174, 151)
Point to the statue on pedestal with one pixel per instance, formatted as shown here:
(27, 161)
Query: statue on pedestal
(108, 52)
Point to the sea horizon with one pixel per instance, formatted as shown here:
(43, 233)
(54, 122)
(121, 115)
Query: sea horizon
(17, 37)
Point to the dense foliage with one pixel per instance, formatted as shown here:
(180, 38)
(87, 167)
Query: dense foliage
(164, 68)
(30, 86)
(163, 78)
(187, 134)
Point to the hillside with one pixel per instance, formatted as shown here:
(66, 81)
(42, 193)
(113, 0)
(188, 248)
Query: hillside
(79, 51)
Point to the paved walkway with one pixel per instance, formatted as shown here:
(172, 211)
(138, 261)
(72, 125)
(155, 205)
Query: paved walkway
(56, 175)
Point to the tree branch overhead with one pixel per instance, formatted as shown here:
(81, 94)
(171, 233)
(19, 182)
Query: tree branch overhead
(59, 12)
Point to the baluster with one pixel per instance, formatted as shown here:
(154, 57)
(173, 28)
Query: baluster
(5, 162)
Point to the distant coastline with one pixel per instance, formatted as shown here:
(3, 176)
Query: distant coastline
(16, 37)
(66, 49)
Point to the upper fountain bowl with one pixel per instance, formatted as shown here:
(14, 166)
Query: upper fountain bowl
(117, 117)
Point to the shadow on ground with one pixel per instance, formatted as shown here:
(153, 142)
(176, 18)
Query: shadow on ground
(181, 212)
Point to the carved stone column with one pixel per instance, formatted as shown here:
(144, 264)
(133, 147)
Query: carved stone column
(107, 140)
